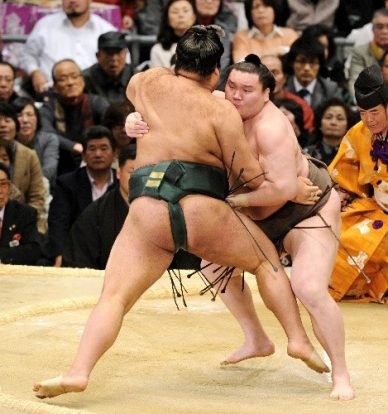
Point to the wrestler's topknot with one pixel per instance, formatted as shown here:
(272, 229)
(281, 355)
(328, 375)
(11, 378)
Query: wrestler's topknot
(199, 50)
(252, 64)
(252, 58)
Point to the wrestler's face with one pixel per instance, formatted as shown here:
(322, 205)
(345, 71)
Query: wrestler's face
(99, 154)
(274, 64)
(334, 123)
(246, 93)
(376, 118)
(123, 175)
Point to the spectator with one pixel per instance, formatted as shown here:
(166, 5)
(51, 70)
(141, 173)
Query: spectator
(294, 113)
(70, 112)
(128, 12)
(6, 158)
(217, 12)
(74, 191)
(306, 60)
(360, 168)
(114, 119)
(31, 135)
(370, 53)
(178, 16)
(93, 233)
(7, 82)
(263, 37)
(333, 118)
(19, 237)
(71, 33)
(325, 37)
(361, 35)
(275, 65)
(308, 12)
(25, 169)
(110, 75)
(384, 66)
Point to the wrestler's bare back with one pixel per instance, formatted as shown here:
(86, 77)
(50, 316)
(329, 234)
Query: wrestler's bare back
(187, 119)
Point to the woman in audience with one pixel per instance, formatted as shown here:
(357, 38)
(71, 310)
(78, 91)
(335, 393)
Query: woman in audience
(332, 119)
(294, 113)
(178, 16)
(263, 36)
(26, 172)
(30, 134)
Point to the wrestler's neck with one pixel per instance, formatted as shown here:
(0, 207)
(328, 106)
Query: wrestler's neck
(208, 82)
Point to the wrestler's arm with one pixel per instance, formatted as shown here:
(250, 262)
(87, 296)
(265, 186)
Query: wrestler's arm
(277, 156)
(236, 153)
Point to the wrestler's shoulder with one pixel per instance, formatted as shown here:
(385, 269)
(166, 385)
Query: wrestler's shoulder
(152, 73)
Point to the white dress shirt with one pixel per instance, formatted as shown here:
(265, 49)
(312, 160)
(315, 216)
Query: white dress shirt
(54, 38)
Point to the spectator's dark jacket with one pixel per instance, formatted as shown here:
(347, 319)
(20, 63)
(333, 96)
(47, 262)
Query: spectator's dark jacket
(73, 193)
(93, 233)
(19, 241)
(99, 83)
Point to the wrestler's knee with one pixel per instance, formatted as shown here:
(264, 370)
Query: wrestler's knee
(310, 294)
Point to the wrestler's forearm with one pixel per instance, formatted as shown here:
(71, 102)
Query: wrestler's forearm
(268, 194)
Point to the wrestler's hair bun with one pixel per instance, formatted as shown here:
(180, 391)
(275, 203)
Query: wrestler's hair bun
(252, 58)
(218, 29)
(202, 30)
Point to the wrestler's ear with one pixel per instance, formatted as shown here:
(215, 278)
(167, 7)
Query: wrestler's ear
(266, 94)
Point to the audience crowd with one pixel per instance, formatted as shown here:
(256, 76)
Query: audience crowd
(65, 159)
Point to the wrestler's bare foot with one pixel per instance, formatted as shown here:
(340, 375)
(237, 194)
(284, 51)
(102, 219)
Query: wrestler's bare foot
(250, 349)
(342, 389)
(308, 355)
(60, 385)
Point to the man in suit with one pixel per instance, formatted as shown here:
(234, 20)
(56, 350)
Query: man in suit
(307, 62)
(74, 191)
(19, 237)
(371, 52)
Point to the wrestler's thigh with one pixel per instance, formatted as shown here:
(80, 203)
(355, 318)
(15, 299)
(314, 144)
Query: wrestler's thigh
(135, 263)
(218, 234)
(313, 251)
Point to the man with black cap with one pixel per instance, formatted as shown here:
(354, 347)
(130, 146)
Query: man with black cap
(110, 75)
(361, 170)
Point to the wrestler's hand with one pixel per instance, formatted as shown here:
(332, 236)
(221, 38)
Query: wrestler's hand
(308, 194)
(237, 201)
(135, 127)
